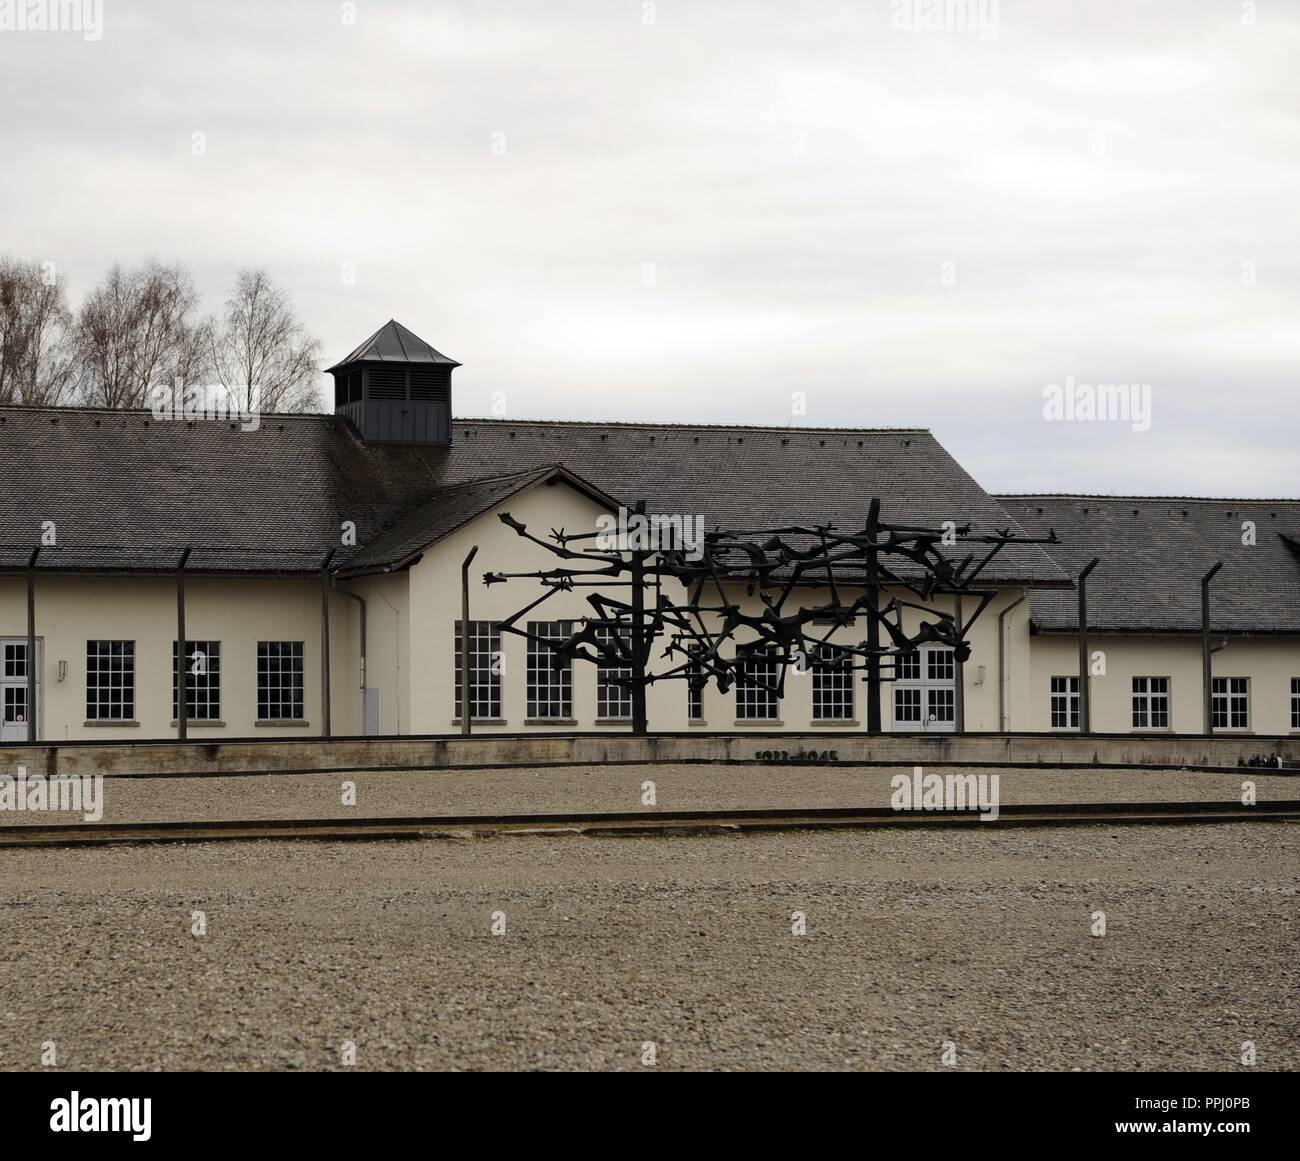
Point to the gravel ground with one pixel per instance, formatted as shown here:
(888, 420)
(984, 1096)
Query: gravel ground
(586, 789)
(913, 939)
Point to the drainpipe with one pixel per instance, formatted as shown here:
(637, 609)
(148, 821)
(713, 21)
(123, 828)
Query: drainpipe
(960, 708)
(466, 704)
(1003, 724)
(31, 646)
(1207, 683)
(1085, 688)
(362, 602)
(326, 731)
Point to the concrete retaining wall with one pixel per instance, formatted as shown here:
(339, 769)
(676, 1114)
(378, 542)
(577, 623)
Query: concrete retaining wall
(259, 756)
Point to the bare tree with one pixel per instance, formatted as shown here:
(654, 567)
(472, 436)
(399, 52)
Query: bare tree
(36, 361)
(137, 329)
(263, 355)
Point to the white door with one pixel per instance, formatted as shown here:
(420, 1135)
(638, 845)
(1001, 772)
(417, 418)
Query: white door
(13, 689)
(924, 694)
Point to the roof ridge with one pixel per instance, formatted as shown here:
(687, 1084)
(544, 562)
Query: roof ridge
(1147, 499)
(498, 422)
(474, 481)
(652, 423)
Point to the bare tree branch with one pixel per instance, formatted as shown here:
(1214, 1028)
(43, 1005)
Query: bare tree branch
(137, 329)
(262, 354)
(36, 361)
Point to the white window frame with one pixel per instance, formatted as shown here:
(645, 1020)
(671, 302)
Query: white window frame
(924, 684)
(832, 684)
(287, 659)
(549, 688)
(484, 670)
(613, 701)
(1143, 702)
(202, 690)
(1066, 688)
(120, 700)
(1222, 698)
(694, 694)
(755, 702)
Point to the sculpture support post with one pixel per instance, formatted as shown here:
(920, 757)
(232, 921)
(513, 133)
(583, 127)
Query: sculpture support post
(639, 646)
(873, 622)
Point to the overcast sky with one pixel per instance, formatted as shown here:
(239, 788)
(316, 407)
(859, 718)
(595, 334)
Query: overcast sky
(689, 211)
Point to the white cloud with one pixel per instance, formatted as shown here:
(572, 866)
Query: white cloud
(796, 173)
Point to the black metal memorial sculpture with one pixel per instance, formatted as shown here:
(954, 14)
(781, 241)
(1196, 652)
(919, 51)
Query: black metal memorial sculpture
(650, 588)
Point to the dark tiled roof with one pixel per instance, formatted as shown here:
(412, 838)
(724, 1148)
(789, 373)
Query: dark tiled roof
(1153, 553)
(752, 477)
(127, 491)
(394, 343)
(450, 508)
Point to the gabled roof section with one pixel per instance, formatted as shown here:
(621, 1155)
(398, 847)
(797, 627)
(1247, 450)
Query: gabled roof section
(128, 492)
(1154, 550)
(454, 507)
(394, 343)
(749, 477)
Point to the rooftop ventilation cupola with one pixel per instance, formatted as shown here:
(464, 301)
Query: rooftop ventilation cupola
(395, 388)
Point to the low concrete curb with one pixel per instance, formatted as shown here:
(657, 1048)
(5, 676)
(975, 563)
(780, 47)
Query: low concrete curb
(263, 756)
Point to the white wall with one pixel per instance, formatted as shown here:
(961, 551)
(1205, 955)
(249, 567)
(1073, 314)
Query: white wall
(239, 613)
(435, 608)
(1269, 663)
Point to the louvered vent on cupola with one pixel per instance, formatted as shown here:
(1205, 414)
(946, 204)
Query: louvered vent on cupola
(396, 388)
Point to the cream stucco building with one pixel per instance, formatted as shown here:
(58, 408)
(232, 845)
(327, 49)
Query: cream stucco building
(322, 575)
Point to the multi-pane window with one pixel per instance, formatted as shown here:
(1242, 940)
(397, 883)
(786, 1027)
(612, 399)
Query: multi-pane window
(1151, 703)
(1065, 703)
(550, 675)
(832, 684)
(202, 681)
(279, 681)
(695, 685)
(941, 705)
(1295, 703)
(925, 689)
(1230, 703)
(907, 667)
(613, 700)
(13, 663)
(756, 698)
(110, 681)
(14, 709)
(940, 665)
(484, 669)
(907, 705)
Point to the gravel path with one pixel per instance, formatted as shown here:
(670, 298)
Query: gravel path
(619, 788)
(913, 939)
